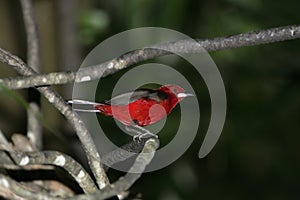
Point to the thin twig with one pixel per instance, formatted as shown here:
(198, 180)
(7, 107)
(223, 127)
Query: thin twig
(60, 104)
(182, 46)
(34, 132)
(3, 139)
(33, 46)
(124, 183)
(68, 41)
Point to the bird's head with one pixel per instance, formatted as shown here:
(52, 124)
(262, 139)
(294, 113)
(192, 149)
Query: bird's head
(175, 90)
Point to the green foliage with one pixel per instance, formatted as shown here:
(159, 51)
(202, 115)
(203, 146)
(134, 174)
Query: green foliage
(91, 24)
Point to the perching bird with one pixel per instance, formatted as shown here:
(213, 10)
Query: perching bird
(139, 108)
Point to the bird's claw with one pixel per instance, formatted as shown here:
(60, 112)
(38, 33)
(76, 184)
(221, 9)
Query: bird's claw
(142, 133)
(139, 137)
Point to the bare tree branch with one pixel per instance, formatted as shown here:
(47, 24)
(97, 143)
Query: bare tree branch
(124, 183)
(60, 104)
(53, 78)
(3, 140)
(12, 188)
(57, 159)
(26, 159)
(21, 155)
(182, 46)
(33, 46)
(34, 132)
(53, 188)
(123, 153)
(69, 47)
(33, 58)
(21, 143)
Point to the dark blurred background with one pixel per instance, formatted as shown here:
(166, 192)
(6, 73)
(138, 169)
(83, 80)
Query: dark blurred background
(257, 156)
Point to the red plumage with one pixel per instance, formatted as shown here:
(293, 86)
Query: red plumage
(141, 107)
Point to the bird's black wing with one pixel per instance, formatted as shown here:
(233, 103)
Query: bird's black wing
(130, 97)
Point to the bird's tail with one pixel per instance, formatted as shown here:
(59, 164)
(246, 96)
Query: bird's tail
(83, 105)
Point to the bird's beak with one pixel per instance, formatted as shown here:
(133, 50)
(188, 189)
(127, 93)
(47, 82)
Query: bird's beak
(183, 95)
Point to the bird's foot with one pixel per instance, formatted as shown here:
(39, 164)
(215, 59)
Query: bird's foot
(141, 136)
(142, 133)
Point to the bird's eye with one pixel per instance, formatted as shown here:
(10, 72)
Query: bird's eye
(175, 90)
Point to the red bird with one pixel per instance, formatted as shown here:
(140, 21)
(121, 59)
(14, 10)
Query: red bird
(139, 108)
